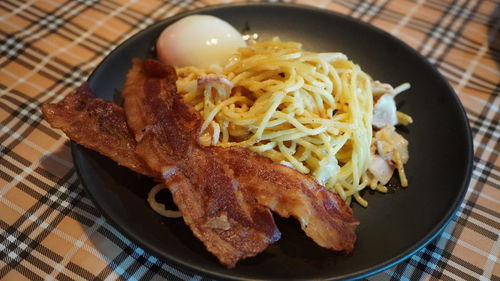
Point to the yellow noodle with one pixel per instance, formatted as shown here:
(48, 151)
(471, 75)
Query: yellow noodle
(313, 111)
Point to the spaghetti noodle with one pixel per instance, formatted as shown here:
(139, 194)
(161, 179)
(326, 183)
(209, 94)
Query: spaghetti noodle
(310, 111)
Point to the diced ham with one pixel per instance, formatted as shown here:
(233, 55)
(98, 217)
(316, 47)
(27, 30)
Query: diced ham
(381, 169)
(397, 143)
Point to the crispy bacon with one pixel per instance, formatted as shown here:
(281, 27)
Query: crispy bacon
(225, 217)
(98, 125)
(323, 215)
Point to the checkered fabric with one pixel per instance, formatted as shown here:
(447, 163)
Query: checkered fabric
(49, 228)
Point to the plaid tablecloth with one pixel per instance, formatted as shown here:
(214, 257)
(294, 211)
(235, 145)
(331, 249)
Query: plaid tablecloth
(50, 230)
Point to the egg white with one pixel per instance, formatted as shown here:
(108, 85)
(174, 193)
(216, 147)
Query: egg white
(198, 40)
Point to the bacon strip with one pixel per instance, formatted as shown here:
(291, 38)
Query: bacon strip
(225, 217)
(323, 215)
(98, 125)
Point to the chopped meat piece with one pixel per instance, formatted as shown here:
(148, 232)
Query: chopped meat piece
(381, 169)
(388, 141)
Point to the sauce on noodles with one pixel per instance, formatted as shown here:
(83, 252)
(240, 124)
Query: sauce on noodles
(310, 111)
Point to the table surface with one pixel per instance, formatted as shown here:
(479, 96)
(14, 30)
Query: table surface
(51, 230)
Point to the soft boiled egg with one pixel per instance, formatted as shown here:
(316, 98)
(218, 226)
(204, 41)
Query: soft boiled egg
(198, 40)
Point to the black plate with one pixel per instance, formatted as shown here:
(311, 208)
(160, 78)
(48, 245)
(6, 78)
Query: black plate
(392, 228)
